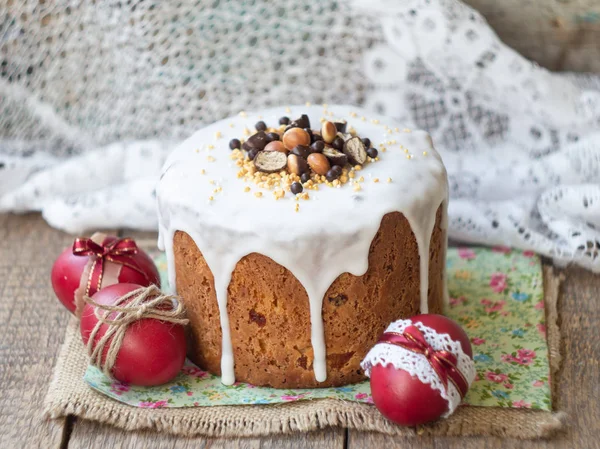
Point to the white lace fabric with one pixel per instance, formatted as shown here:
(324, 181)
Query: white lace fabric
(94, 96)
(417, 365)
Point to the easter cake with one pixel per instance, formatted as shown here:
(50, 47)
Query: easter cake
(295, 235)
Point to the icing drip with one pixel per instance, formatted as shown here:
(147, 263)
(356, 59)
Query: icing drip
(330, 235)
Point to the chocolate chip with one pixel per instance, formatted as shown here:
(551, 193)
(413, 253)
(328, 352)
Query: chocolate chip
(332, 175)
(372, 153)
(305, 177)
(235, 144)
(301, 150)
(252, 153)
(337, 169)
(296, 188)
(284, 121)
(272, 137)
(341, 126)
(338, 143)
(366, 141)
(261, 126)
(317, 147)
(258, 141)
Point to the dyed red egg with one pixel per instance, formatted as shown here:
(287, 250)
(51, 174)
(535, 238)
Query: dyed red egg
(153, 351)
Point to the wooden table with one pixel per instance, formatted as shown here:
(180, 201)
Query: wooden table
(31, 335)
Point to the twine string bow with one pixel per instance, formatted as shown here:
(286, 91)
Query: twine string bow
(145, 302)
(442, 362)
(118, 251)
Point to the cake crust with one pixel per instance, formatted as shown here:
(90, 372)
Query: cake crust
(269, 314)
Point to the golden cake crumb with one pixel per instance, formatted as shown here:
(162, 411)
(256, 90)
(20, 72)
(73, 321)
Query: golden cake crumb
(258, 194)
(210, 159)
(389, 180)
(246, 189)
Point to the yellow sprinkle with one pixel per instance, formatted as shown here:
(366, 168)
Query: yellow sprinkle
(246, 189)
(358, 167)
(353, 114)
(406, 150)
(325, 105)
(361, 179)
(260, 117)
(424, 153)
(211, 147)
(376, 180)
(322, 119)
(210, 181)
(396, 129)
(218, 135)
(197, 150)
(231, 125)
(210, 159)
(375, 121)
(389, 180)
(363, 119)
(210, 198)
(408, 156)
(246, 131)
(257, 194)
(308, 104)
(288, 110)
(406, 130)
(384, 149)
(297, 208)
(243, 114)
(202, 171)
(356, 187)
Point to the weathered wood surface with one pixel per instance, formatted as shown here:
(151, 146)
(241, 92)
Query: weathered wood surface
(31, 336)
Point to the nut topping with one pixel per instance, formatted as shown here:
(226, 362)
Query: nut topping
(295, 136)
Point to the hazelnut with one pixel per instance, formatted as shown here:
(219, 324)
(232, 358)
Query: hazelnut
(295, 136)
(328, 132)
(318, 163)
(276, 145)
(296, 165)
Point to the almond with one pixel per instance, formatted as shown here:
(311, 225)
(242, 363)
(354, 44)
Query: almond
(328, 132)
(318, 163)
(295, 136)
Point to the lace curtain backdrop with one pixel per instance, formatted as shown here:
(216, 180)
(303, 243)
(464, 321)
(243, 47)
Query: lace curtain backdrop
(94, 96)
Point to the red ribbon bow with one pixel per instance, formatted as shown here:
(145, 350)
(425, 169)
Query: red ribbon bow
(118, 251)
(442, 362)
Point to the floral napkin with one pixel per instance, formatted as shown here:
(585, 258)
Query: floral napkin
(496, 295)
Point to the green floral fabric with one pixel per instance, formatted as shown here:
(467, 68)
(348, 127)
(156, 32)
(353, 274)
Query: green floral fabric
(496, 295)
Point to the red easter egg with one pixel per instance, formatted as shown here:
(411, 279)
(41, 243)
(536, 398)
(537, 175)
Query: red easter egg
(402, 397)
(68, 269)
(153, 351)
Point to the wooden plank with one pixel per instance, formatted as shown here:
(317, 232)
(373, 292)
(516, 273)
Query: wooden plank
(578, 384)
(31, 331)
(88, 435)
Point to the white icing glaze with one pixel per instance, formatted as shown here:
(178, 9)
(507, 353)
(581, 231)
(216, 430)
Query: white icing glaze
(333, 230)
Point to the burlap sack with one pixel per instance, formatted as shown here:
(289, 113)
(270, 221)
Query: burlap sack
(69, 395)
